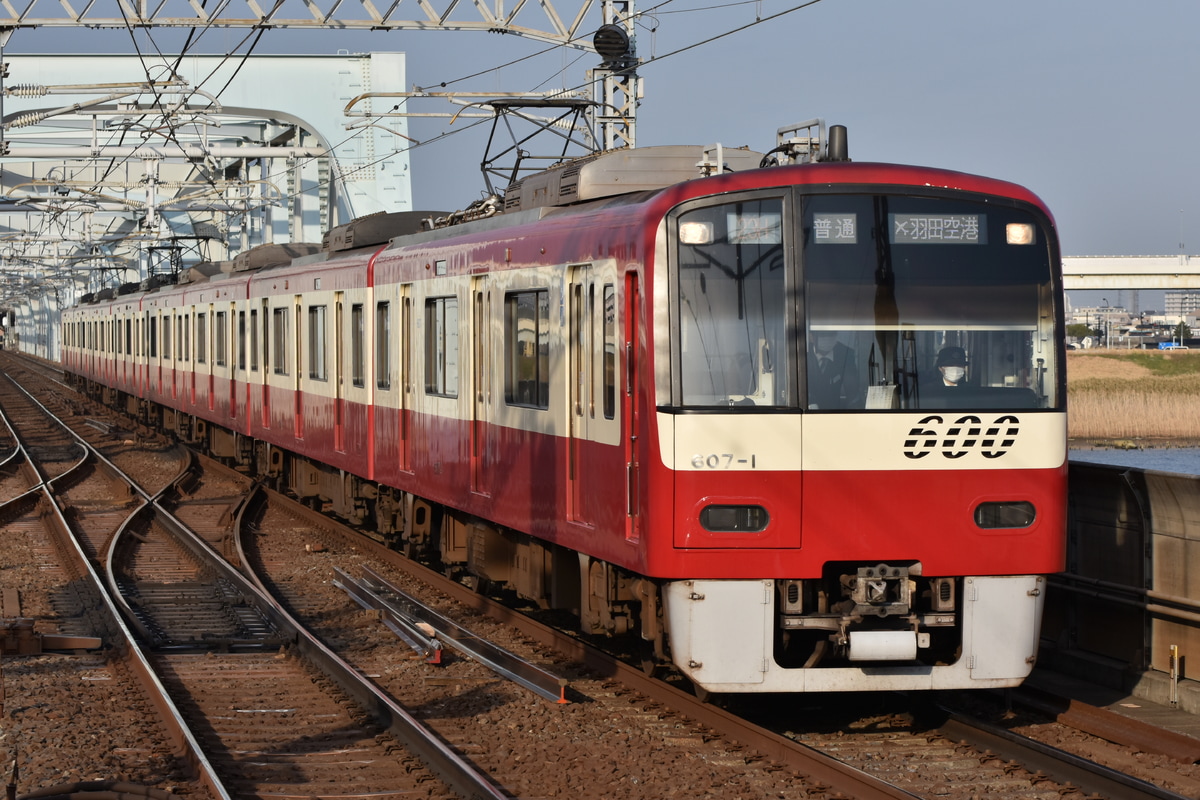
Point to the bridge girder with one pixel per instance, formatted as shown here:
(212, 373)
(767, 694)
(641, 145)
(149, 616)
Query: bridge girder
(1131, 272)
(541, 21)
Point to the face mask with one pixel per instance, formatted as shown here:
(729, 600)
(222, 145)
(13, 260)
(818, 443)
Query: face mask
(954, 374)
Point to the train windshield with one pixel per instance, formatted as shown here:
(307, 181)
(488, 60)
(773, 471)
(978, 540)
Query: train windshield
(922, 302)
(733, 284)
(894, 302)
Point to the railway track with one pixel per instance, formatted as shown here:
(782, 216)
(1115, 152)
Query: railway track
(166, 583)
(41, 448)
(631, 737)
(75, 697)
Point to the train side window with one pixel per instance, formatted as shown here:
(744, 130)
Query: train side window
(441, 346)
(153, 337)
(279, 317)
(201, 338)
(254, 340)
(527, 349)
(610, 351)
(356, 345)
(383, 338)
(221, 344)
(166, 337)
(316, 343)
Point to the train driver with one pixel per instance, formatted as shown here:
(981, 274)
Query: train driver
(952, 367)
(833, 380)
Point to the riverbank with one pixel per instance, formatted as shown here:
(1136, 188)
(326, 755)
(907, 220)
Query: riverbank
(1133, 399)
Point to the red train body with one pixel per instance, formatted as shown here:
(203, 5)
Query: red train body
(622, 405)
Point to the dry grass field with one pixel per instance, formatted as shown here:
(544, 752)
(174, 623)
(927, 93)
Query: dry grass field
(1133, 394)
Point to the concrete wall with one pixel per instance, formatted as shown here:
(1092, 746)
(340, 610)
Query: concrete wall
(1132, 589)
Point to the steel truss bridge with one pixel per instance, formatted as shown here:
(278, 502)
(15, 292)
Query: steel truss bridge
(109, 181)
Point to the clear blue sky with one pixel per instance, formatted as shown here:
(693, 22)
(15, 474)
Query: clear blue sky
(1091, 105)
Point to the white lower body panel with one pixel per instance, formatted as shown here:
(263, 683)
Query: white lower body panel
(722, 638)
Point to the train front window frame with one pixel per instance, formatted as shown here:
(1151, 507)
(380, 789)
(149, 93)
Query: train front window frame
(870, 286)
(919, 302)
(731, 286)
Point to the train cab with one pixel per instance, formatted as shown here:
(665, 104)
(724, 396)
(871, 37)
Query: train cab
(865, 393)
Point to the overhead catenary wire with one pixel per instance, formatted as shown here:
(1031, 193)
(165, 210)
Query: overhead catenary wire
(759, 20)
(257, 32)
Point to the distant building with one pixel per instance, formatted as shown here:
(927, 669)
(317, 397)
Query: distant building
(1095, 316)
(1181, 302)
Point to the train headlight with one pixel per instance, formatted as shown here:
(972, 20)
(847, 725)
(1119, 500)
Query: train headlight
(734, 519)
(1019, 233)
(695, 233)
(1008, 514)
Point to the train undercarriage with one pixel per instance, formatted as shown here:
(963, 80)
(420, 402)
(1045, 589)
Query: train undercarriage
(854, 616)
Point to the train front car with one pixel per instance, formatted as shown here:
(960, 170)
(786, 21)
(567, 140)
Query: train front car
(860, 393)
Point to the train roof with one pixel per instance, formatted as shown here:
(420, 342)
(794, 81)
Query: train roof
(627, 171)
(606, 179)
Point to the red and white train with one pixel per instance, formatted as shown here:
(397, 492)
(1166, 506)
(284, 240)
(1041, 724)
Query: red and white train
(728, 413)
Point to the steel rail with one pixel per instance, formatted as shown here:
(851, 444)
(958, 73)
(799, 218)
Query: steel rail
(187, 747)
(23, 447)
(1110, 725)
(424, 644)
(798, 757)
(540, 681)
(456, 771)
(1062, 766)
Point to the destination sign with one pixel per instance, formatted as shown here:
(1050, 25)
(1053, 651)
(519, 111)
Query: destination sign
(938, 228)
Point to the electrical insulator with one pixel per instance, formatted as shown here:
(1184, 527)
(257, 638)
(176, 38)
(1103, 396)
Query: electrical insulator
(26, 119)
(27, 90)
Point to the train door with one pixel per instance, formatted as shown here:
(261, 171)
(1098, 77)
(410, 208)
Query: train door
(298, 361)
(581, 310)
(480, 388)
(235, 361)
(209, 335)
(177, 326)
(265, 375)
(191, 327)
(153, 374)
(339, 396)
(405, 378)
(629, 410)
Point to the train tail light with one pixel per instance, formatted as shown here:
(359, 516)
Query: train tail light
(734, 519)
(1009, 514)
